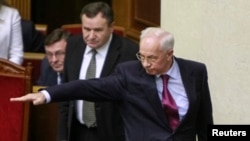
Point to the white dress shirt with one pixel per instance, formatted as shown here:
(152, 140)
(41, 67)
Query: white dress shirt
(100, 59)
(59, 78)
(176, 89)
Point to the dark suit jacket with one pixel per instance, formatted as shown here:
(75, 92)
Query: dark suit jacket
(48, 76)
(32, 39)
(110, 125)
(140, 105)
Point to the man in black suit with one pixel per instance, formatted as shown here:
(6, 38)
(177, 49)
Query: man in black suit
(51, 74)
(53, 64)
(32, 39)
(48, 77)
(97, 27)
(140, 90)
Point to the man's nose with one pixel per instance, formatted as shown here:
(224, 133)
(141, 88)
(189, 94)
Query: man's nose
(145, 63)
(91, 34)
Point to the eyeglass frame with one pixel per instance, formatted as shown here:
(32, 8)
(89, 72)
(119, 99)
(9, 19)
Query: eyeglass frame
(149, 59)
(57, 54)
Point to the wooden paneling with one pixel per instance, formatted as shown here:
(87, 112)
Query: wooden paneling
(147, 12)
(23, 6)
(43, 120)
(35, 59)
(135, 15)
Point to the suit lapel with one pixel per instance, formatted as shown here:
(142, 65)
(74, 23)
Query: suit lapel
(189, 83)
(112, 56)
(152, 95)
(78, 57)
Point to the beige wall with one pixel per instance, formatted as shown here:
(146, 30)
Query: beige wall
(216, 32)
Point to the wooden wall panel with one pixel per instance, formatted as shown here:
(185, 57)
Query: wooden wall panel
(147, 12)
(24, 7)
(135, 15)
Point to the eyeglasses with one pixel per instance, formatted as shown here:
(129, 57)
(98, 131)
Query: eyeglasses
(149, 59)
(58, 54)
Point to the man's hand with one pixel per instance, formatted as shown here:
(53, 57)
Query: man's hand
(36, 98)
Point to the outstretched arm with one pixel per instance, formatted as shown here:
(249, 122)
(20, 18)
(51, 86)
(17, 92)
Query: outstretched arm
(35, 98)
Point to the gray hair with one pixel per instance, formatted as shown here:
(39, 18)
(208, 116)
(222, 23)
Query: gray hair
(166, 38)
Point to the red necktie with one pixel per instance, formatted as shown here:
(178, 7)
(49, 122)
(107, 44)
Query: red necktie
(169, 104)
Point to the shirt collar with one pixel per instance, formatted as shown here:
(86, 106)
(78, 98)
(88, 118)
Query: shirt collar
(173, 71)
(101, 50)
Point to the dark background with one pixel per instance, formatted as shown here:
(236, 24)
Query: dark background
(55, 13)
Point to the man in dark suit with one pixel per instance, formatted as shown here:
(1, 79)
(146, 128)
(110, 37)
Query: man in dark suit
(32, 39)
(52, 65)
(51, 74)
(141, 92)
(97, 27)
(48, 76)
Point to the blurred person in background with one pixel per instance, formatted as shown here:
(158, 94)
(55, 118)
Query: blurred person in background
(51, 74)
(11, 43)
(52, 64)
(32, 39)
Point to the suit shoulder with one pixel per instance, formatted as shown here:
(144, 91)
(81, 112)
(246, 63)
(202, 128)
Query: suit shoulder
(130, 68)
(132, 64)
(187, 64)
(188, 61)
(75, 38)
(124, 41)
(130, 42)
(74, 41)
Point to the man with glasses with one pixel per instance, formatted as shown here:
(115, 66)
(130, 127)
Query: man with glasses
(161, 97)
(51, 74)
(53, 64)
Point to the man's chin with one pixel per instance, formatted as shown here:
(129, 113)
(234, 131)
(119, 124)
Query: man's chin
(57, 69)
(150, 72)
(93, 45)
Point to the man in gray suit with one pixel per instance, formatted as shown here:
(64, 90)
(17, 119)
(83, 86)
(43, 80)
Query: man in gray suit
(140, 90)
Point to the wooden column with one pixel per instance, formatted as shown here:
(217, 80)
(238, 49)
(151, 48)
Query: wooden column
(24, 7)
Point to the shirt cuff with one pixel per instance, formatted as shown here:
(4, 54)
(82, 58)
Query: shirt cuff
(47, 96)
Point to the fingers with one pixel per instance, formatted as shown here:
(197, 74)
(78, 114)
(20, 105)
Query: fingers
(39, 100)
(28, 97)
(36, 98)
